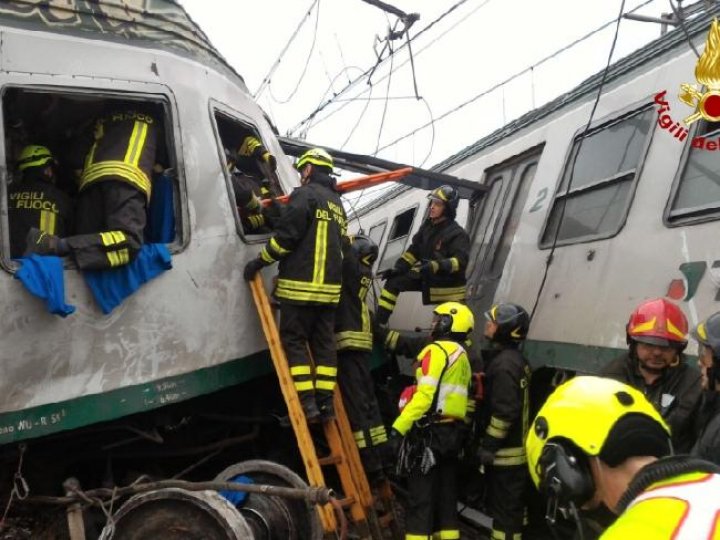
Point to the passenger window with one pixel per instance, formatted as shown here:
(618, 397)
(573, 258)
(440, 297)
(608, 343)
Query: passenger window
(250, 176)
(697, 193)
(49, 148)
(398, 237)
(594, 204)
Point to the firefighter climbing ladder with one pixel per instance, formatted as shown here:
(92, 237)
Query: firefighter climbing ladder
(343, 451)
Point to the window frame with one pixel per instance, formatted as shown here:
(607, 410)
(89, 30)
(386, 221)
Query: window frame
(164, 97)
(696, 215)
(604, 122)
(217, 107)
(415, 207)
(382, 222)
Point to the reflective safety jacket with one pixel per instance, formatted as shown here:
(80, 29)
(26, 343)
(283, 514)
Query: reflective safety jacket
(506, 410)
(39, 204)
(448, 245)
(444, 370)
(124, 149)
(308, 244)
(677, 507)
(352, 318)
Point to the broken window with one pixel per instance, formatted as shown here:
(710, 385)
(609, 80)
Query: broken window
(55, 131)
(398, 237)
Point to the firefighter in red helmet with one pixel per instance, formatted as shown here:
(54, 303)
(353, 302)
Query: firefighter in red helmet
(655, 364)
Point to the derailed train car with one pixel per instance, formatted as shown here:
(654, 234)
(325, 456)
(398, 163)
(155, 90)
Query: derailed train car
(636, 218)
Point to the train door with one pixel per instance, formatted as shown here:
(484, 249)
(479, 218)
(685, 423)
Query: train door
(494, 224)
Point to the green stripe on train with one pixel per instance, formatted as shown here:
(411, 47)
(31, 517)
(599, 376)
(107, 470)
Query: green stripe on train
(74, 413)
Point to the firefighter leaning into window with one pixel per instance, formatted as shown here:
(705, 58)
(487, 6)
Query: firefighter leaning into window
(35, 201)
(250, 167)
(113, 193)
(655, 365)
(436, 260)
(308, 244)
(504, 418)
(599, 441)
(353, 331)
(707, 333)
(433, 427)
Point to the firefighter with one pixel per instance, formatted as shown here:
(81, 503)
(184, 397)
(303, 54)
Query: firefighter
(353, 332)
(432, 424)
(35, 200)
(249, 168)
(599, 441)
(308, 244)
(113, 193)
(505, 418)
(707, 333)
(655, 365)
(436, 260)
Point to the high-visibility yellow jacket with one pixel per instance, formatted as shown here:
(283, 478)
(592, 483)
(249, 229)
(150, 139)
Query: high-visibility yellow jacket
(682, 507)
(308, 244)
(124, 150)
(451, 384)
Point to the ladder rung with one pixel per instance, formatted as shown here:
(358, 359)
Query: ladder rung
(330, 460)
(347, 501)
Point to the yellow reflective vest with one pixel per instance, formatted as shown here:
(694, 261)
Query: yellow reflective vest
(684, 507)
(444, 369)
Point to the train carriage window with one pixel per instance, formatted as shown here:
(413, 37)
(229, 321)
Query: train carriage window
(60, 129)
(250, 176)
(696, 194)
(377, 232)
(398, 237)
(593, 201)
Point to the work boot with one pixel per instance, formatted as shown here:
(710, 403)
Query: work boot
(41, 243)
(326, 406)
(310, 408)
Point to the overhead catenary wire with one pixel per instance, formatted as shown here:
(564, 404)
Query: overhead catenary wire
(266, 80)
(581, 140)
(681, 20)
(366, 72)
(305, 67)
(509, 79)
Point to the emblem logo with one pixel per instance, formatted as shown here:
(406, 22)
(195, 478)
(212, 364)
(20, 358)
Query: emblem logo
(705, 99)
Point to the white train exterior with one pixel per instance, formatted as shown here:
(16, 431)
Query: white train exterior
(192, 330)
(640, 218)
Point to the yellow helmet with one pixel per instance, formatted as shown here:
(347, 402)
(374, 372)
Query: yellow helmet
(316, 156)
(583, 411)
(453, 318)
(34, 156)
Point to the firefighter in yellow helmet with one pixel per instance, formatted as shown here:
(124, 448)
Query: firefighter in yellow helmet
(436, 260)
(113, 193)
(599, 441)
(433, 427)
(35, 201)
(308, 244)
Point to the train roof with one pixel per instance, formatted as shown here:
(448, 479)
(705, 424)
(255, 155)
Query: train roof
(158, 24)
(662, 45)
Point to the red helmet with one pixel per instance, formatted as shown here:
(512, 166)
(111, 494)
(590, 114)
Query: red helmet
(658, 322)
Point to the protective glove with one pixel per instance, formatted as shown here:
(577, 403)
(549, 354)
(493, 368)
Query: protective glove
(252, 268)
(484, 456)
(268, 158)
(429, 268)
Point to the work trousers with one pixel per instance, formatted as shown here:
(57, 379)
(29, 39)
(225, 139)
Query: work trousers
(432, 504)
(390, 292)
(310, 326)
(357, 388)
(110, 221)
(507, 486)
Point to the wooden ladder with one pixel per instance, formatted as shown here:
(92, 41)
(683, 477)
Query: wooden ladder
(344, 455)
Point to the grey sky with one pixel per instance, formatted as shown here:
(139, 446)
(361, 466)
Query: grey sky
(477, 46)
